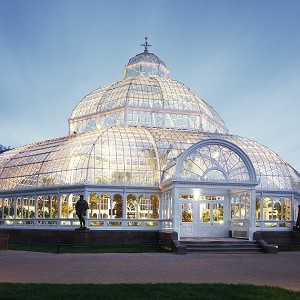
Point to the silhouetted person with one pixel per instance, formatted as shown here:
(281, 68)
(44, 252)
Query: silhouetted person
(81, 208)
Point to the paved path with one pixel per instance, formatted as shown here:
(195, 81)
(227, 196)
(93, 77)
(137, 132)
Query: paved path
(262, 269)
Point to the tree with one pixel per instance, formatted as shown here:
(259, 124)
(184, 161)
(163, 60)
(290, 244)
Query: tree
(4, 148)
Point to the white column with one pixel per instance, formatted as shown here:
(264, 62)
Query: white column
(252, 225)
(124, 207)
(176, 211)
(59, 207)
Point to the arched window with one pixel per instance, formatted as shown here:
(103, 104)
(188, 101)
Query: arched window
(105, 206)
(63, 206)
(47, 203)
(31, 208)
(154, 214)
(144, 207)
(54, 207)
(8, 208)
(287, 209)
(267, 209)
(40, 207)
(237, 208)
(94, 206)
(216, 161)
(131, 206)
(277, 207)
(67, 205)
(118, 206)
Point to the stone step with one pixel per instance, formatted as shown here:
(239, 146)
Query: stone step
(226, 247)
(231, 249)
(203, 245)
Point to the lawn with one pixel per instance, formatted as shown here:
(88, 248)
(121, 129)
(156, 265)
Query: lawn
(132, 291)
(89, 249)
(143, 291)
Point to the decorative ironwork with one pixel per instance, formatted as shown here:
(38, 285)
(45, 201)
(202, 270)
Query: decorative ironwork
(146, 45)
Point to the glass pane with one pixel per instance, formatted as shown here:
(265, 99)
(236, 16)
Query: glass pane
(267, 209)
(118, 206)
(131, 206)
(187, 212)
(218, 213)
(104, 206)
(257, 208)
(94, 206)
(276, 209)
(54, 207)
(204, 212)
(11, 208)
(287, 208)
(154, 207)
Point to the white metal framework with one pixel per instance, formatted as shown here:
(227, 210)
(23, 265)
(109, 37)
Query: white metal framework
(137, 149)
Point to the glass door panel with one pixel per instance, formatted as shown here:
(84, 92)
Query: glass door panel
(187, 212)
(204, 212)
(218, 212)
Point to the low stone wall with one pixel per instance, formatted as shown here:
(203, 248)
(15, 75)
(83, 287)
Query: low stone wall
(295, 237)
(166, 238)
(278, 237)
(83, 238)
(268, 248)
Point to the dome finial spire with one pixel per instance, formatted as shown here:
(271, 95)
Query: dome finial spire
(146, 45)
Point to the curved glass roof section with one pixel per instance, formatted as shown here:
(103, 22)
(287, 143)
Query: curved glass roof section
(214, 163)
(271, 171)
(145, 98)
(146, 64)
(135, 156)
(134, 131)
(113, 155)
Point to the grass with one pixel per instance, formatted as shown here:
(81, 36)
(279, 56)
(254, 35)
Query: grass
(143, 291)
(289, 247)
(70, 249)
(133, 291)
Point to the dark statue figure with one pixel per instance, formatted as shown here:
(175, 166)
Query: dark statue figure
(297, 225)
(81, 208)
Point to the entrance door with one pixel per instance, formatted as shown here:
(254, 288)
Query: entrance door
(204, 218)
(211, 219)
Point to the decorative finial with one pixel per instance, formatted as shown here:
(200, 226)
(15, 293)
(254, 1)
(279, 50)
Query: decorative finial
(146, 45)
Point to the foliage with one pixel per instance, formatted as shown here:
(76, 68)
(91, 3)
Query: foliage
(4, 148)
(155, 206)
(118, 206)
(186, 216)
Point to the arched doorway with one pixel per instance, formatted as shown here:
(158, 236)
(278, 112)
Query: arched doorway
(206, 177)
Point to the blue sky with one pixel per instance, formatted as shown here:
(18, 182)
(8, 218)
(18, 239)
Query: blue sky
(242, 57)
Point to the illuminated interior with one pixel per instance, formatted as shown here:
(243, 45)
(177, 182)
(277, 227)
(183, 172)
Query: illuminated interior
(129, 146)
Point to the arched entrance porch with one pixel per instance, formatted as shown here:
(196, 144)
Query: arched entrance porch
(208, 178)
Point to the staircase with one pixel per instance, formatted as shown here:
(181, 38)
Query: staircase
(220, 245)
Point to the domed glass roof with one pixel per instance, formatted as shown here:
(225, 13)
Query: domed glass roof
(146, 64)
(134, 131)
(135, 156)
(145, 98)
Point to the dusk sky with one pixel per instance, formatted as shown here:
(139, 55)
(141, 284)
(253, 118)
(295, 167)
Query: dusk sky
(241, 57)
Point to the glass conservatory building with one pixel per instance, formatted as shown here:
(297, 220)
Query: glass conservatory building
(147, 153)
